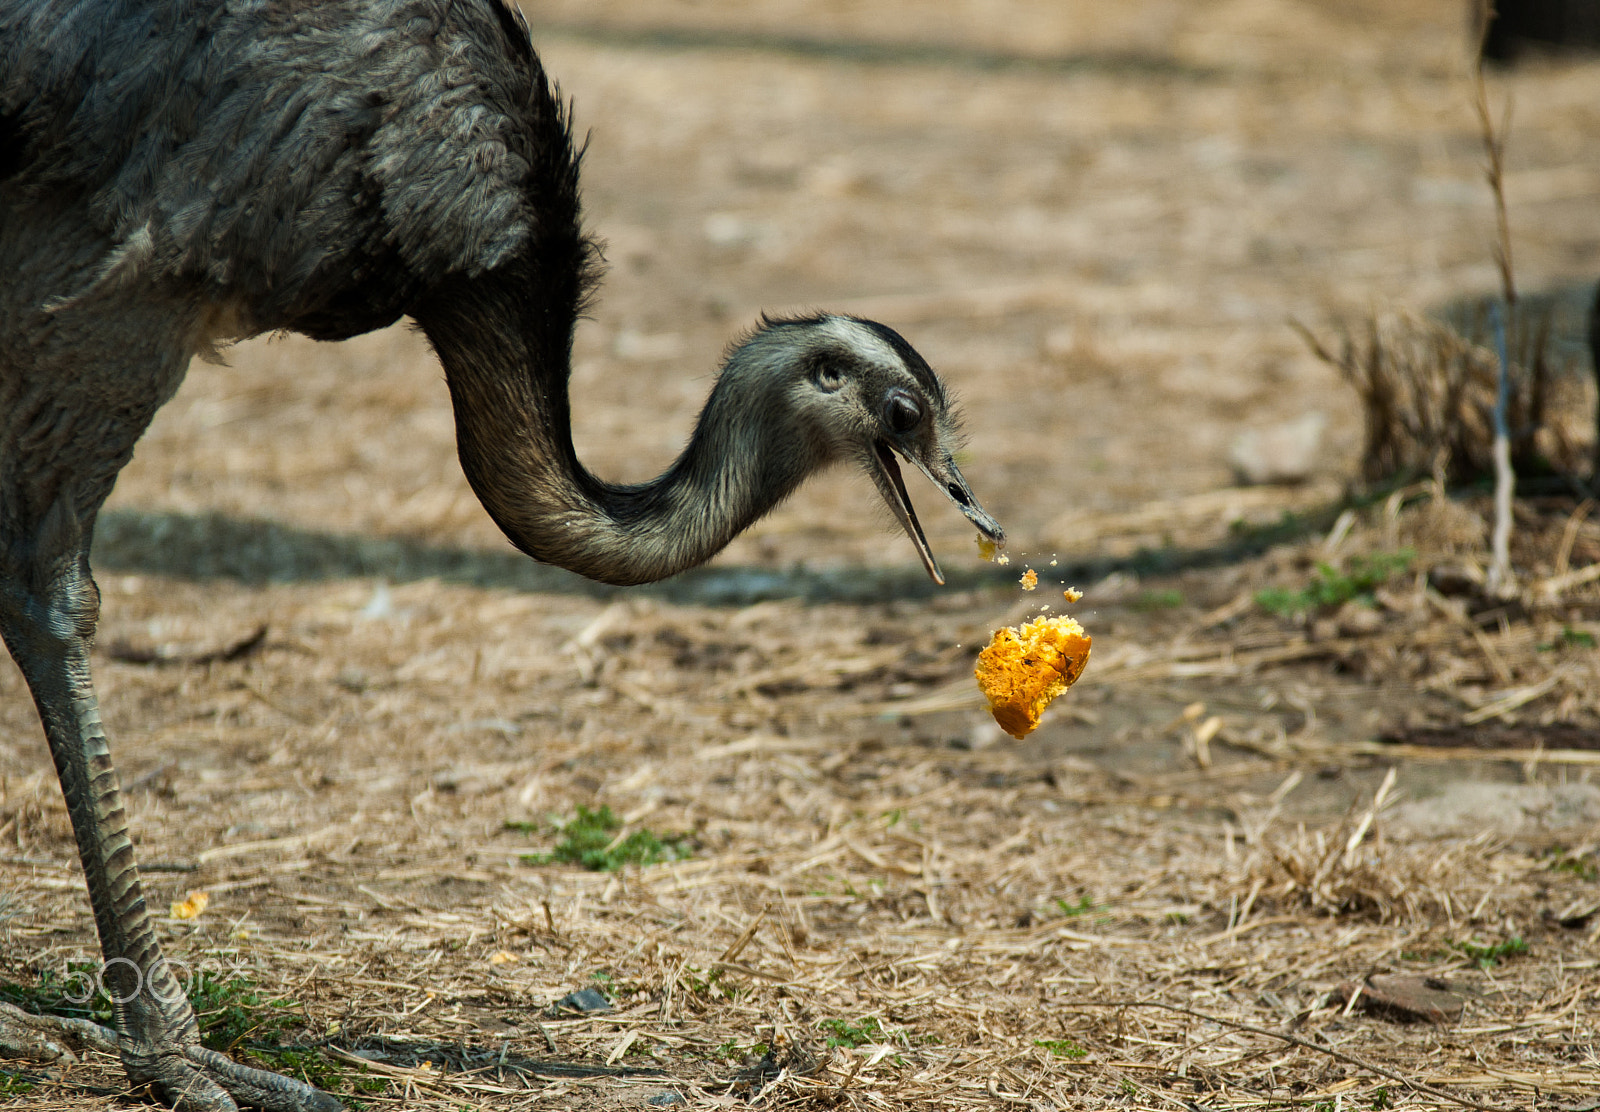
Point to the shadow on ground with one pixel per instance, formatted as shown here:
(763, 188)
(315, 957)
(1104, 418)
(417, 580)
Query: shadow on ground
(1567, 309)
(252, 551)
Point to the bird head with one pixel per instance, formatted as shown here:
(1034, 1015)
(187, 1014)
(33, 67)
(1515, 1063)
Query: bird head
(865, 394)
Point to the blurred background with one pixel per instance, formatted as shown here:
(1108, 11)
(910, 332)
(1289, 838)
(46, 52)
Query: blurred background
(1096, 220)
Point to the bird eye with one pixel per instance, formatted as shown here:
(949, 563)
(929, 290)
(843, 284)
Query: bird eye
(827, 378)
(904, 413)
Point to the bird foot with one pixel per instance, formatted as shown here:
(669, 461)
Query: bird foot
(49, 1038)
(190, 1077)
(196, 1079)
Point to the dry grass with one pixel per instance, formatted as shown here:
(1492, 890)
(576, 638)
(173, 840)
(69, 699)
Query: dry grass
(1428, 393)
(883, 908)
(1094, 219)
(953, 968)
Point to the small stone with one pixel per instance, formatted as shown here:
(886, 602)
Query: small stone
(583, 1000)
(1406, 998)
(1284, 453)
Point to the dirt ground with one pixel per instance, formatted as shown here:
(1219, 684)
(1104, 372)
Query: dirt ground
(1097, 221)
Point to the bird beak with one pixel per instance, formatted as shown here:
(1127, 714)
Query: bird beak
(947, 477)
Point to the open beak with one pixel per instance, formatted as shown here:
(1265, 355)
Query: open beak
(947, 477)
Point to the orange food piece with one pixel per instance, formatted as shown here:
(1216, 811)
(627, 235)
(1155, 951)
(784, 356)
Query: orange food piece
(1023, 669)
(1030, 579)
(191, 905)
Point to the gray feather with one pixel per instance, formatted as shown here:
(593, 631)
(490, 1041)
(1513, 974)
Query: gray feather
(261, 152)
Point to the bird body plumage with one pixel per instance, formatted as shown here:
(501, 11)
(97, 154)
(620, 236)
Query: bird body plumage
(318, 164)
(178, 174)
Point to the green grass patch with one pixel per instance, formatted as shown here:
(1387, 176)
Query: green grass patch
(1329, 587)
(735, 1051)
(1489, 955)
(897, 816)
(863, 1032)
(590, 838)
(869, 1031)
(1570, 639)
(311, 1065)
(1062, 1048)
(233, 1014)
(1579, 865)
(71, 993)
(1083, 906)
(232, 1010)
(710, 983)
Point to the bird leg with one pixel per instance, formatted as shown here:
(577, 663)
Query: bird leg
(48, 609)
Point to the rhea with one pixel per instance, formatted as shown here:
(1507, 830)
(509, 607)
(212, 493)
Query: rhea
(179, 174)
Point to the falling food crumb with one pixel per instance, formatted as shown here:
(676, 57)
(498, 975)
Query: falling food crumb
(1024, 668)
(1030, 579)
(1052, 563)
(1072, 594)
(993, 551)
(191, 905)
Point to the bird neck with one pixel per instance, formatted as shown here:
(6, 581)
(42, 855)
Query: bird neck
(506, 346)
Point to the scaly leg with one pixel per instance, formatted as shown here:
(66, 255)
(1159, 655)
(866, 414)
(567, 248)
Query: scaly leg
(48, 609)
(49, 1038)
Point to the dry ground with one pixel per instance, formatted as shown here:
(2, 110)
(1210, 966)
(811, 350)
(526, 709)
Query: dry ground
(1096, 220)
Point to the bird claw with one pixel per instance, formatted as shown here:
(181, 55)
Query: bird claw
(258, 1088)
(192, 1078)
(50, 1038)
(197, 1079)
